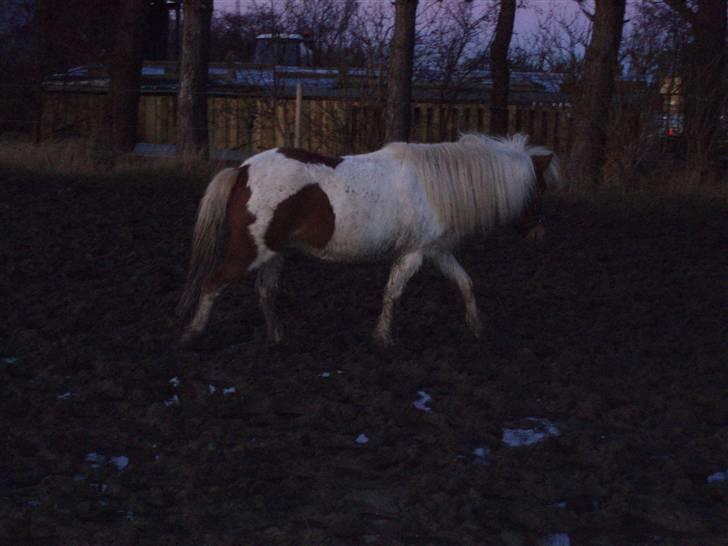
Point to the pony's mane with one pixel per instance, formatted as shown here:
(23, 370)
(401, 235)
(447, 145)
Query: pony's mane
(476, 182)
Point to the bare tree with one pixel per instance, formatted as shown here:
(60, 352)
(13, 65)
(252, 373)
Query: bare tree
(499, 67)
(703, 71)
(125, 70)
(192, 138)
(594, 97)
(399, 77)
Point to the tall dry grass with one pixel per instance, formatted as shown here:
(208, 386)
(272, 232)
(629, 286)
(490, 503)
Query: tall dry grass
(81, 157)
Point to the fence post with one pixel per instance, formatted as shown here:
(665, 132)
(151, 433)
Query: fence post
(299, 105)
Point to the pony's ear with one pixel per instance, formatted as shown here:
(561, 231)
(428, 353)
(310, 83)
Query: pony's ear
(541, 162)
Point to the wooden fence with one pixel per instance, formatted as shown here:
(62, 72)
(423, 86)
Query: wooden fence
(330, 126)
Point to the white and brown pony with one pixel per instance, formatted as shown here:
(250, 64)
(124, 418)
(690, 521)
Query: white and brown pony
(403, 203)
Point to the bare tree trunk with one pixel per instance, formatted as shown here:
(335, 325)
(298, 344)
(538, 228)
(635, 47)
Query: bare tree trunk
(192, 138)
(703, 71)
(499, 67)
(593, 103)
(399, 77)
(125, 71)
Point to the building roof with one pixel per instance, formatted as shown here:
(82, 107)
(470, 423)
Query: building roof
(161, 77)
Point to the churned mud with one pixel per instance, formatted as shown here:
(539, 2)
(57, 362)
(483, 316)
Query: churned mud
(593, 411)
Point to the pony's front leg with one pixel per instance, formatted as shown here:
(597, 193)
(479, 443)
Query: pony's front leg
(452, 270)
(266, 284)
(399, 275)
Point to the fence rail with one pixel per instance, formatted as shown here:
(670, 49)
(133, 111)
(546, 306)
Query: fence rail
(330, 126)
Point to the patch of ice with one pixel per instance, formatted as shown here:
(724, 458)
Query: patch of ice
(362, 439)
(481, 455)
(65, 396)
(211, 389)
(230, 390)
(424, 400)
(175, 381)
(9, 360)
(555, 539)
(127, 515)
(325, 374)
(541, 429)
(172, 401)
(95, 459)
(120, 462)
(718, 477)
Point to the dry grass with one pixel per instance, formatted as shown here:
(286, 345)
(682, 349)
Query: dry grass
(80, 157)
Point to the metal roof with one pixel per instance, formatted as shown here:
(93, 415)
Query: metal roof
(160, 77)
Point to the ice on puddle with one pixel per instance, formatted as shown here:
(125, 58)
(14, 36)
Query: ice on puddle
(127, 515)
(211, 389)
(325, 374)
(120, 462)
(718, 477)
(230, 390)
(424, 400)
(172, 401)
(481, 455)
(95, 459)
(555, 539)
(362, 439)
(526, 436)
(9, 360)
(175, 381)
(65, 396)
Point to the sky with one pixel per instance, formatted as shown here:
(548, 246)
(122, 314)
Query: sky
(526, 22)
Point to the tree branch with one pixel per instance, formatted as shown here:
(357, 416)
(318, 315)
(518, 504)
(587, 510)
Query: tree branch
(681, 7)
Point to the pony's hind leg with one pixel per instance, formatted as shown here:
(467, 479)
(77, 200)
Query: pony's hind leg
(452, 270)
(400, 274)
(201, 316)
(266, 284)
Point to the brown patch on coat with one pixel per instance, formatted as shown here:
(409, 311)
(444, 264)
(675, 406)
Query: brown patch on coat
(531, 223)
(304, 156)
(241, 249)
(304, 217)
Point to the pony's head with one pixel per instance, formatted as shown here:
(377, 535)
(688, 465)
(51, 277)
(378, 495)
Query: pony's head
(547, 175)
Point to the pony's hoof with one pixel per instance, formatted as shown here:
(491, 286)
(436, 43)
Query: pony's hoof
(383, 340)
(476, 327)
(189, 340)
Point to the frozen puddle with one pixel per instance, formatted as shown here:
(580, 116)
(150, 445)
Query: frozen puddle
(533, 431)
(120, 462)
(362, 439)
(9, 360)
(422, 403)
(96, 460)
(481, 455)
(718, 477)
(556, 539)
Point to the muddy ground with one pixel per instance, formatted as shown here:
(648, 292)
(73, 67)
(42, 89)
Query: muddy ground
(607, 341)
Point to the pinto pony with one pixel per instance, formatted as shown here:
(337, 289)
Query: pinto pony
(403, 203)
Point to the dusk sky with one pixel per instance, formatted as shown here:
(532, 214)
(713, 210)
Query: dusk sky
(526, 22)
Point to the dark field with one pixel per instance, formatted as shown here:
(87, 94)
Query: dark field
(613, 329)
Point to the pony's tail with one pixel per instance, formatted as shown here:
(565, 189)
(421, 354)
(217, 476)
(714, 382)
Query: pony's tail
(210, 237)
